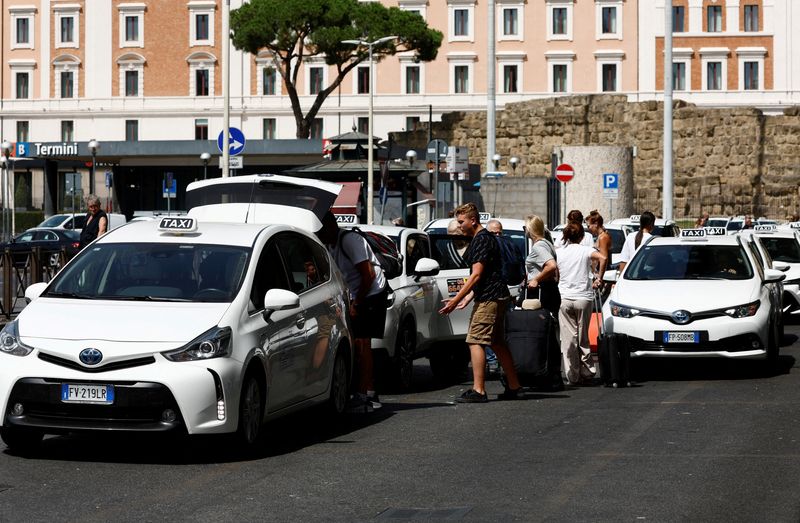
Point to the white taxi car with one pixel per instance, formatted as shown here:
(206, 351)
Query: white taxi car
(781, 248)
(699, 294)
(412, 311)
(184, 324)
(661, 227)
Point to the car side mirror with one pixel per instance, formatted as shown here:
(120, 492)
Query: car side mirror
(426, 267)
(780, 266)
(279, 300)
(773, 276)
(34, 290)
(610, 276)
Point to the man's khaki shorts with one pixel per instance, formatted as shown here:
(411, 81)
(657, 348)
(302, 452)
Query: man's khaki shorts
(487, 324)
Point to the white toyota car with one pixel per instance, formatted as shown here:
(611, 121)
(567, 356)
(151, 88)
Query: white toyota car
(782, 247)
(207, 324)
(698, 294)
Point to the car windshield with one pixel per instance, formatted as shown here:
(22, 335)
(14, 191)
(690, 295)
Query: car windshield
(658, 230)
(716, 223)
(617, 240)
(734, 226)
(153, 272)
(448, 250)
(690, 261)
(782, 249)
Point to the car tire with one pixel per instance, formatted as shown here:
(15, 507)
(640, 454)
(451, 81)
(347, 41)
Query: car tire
(251, 411)
(19, 440)
(449, 362)
(340, 386)
(402, 368)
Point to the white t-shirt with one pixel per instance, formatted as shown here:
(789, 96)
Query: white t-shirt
(588, 241)
(629, 248)
(575, 271)
(357, 250)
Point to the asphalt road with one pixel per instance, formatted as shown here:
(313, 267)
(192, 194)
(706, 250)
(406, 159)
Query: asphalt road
(693, 441)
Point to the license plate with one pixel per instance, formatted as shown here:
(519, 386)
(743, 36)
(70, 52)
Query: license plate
(78, 393)
(454, 285)
(681, 337)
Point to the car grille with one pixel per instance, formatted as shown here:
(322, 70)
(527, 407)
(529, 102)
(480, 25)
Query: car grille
(137, 407)
(695, 316)
(117, 365)
(739, 343)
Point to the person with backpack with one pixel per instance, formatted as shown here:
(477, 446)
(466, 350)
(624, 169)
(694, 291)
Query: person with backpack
(633, 241)
(487, 322)
(512, 268)
(368, 291)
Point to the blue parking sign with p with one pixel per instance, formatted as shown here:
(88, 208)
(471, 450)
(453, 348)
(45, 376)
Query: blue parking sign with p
(610, 181)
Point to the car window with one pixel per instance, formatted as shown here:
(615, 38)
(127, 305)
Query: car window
(270, 274)
(416, 248)
(154, 271)
(754, 254)
(689, 262)
(448, 250)
(716, 223)
(617, 240)
(734, 226)
(46, 236)
(25, 237)
(322, 261)
(782, 249)
(299, 261)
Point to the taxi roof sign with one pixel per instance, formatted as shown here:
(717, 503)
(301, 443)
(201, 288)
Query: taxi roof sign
(716, 231)
(693, 233)
(794, 225)
(177, 224)
(765, 228)
(635, 218)
(484, 217)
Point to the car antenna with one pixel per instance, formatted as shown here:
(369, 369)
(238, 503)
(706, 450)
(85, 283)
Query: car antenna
(250, 202)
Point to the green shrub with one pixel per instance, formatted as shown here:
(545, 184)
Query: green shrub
(24, 220)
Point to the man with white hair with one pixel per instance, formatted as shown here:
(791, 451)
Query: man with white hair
(96, 221)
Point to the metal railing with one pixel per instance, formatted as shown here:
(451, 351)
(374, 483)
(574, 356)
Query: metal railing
(21, 269)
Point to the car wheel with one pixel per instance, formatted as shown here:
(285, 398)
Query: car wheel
(21, 440)
(403, 365)
(449, 362)
(339, 386)
(251, 411)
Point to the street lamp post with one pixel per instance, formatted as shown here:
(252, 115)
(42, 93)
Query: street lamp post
(370, 45)
(7, 208)
(93, 146)
(205, 157)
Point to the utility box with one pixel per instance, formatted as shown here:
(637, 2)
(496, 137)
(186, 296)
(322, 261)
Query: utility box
(457, 159)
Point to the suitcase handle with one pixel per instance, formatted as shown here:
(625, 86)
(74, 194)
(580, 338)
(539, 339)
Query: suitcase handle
(599, 317)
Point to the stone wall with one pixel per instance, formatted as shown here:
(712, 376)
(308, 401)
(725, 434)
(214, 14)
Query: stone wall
(726, 161)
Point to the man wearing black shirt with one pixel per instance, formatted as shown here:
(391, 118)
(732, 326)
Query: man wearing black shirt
(487, 322)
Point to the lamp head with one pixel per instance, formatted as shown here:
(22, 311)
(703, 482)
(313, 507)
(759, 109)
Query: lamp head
(411, 155)
(6, 147)
(514, 161)
(496, 160)
(94, 145)
(205, 157)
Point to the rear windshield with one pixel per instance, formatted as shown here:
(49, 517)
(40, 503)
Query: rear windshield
(617, 240)
(717, 223)
(695, 261)
(734, 226)
(658, 230)
(782, 249)
(153, 272)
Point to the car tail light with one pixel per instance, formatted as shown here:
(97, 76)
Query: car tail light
(76, 244)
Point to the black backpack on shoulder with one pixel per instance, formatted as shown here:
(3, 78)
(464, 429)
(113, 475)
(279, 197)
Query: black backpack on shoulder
(389, 258)
(512, 266)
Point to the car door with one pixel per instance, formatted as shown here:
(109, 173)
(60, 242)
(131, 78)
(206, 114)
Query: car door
(280, 334)
(423, 294)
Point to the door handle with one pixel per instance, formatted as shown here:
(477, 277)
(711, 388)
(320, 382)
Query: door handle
(301, 320)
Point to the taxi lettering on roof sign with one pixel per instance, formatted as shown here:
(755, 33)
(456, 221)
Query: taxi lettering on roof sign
(693, 233)
(484, 217)
(794, 225)
(635, 218)
(765, 228)
(177, 224)
(716, 231)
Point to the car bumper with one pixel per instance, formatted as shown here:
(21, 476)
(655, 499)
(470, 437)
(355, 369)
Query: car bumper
(202, 395)
(724, 337)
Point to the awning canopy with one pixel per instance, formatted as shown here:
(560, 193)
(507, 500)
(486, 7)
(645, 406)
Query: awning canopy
(347, 201)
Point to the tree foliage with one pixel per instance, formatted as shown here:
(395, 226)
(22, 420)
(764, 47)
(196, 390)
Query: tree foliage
(294, 30)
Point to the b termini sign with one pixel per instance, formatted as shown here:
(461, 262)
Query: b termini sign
(44, 150)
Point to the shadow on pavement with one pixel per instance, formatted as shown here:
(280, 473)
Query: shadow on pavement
(690, 369)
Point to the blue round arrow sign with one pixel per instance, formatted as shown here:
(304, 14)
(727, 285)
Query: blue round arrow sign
(236, 141)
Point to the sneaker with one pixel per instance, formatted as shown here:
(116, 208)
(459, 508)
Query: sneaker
(358, 404)
(471, 396)
(510, 394)
(374, 400)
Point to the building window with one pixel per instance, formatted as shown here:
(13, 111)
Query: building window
(131, 130)
(67, 22)
(201, 26)
(23, 34)
(67, 130)
(132, 28)
(460, 22)
(751, 76)
(362, 80)
(270, 128)
(678, 19)
(609, 20)
(412, 79)
(510, 79)
(461, 79)
(131, 83)
(67, 84)
(315, 79)
(362, 125)
(201, 83)
(559, 20)
(609, 78)
(751, 18)
(714, 19)
(269, 78)
(316, 129)
(23, 86)
(679, 76)
(131, 25)
(22, 26)
(511, 21)
(560, 78)
(714, 76)
(412, 122)
(201, 22)
(201, 129)
(23, 130)
(67, 29)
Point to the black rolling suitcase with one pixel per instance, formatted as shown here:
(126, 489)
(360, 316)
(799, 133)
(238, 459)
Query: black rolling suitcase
(531, 339)
(614, 354)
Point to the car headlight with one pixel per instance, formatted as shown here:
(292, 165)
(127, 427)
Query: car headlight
(622, 311)
(743, 311)
(9, 340)
(214, 343)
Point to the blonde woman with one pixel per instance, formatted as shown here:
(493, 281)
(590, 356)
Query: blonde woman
(541, 267)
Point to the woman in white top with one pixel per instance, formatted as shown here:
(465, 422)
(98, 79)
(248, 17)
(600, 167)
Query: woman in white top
(632, 243)
(575, 285)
